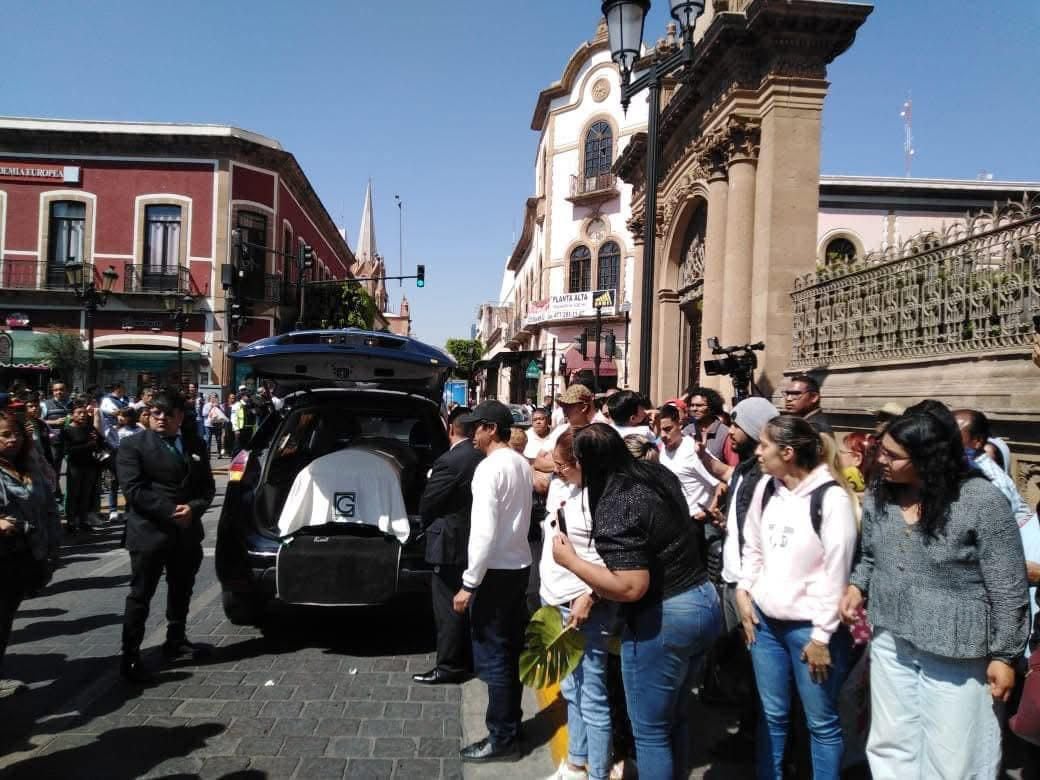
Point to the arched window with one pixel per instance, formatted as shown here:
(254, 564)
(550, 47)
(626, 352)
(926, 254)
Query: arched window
(581, 270)
(599, 149)
(609, 266)
(840, 250)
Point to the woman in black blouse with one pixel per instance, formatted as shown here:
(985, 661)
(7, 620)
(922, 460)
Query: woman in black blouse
(655, 567)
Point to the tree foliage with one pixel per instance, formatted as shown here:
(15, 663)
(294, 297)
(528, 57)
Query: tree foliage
(339, 306)
(466, 353)
(64, 351)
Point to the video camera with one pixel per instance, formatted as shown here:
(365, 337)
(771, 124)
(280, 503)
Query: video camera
(739, 364)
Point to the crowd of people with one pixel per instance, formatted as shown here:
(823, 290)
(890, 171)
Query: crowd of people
(757, 546)
(64, 456)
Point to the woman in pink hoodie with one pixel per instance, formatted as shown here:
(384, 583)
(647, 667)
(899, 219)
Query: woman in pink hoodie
(799, 541)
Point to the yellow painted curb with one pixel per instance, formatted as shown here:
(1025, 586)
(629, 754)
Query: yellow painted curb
(558, 741)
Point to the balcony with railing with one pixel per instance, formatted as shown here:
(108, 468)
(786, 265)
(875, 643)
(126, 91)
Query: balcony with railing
(592, 189)
(972, 289)
(138, 278)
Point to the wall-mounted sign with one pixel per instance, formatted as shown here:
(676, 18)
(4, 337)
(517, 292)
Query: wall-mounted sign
(17, 320)
(129, 323)
(39, 172)
(603, 299)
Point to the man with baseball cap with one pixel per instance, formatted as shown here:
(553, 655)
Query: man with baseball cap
(496, 575)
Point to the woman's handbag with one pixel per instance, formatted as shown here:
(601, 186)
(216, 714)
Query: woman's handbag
(1026, 722)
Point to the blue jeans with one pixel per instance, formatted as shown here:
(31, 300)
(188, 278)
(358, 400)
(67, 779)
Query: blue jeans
(662, 648)
(585, 691)
(777, 657)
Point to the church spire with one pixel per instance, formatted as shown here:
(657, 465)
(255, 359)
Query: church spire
(366, 245)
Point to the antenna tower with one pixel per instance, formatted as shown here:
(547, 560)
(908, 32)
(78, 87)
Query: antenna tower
(908, 134)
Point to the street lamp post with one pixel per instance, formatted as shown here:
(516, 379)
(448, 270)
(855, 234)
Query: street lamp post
(180, 308)
(76, 277)
(625, 21)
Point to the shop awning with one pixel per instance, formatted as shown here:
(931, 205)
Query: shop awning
(523, 356)
(140, 357)
(576, 364)
(26, 351)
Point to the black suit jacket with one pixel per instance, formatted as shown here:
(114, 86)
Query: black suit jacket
(446, 504)
(155, 480)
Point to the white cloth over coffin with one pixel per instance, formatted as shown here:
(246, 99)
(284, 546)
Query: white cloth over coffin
(344, 487)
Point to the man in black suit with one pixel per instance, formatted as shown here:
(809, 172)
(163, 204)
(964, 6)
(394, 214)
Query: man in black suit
(445, 508)
(166, 478)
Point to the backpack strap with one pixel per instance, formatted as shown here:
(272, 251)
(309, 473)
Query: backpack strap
(816, 504)
(767, 494)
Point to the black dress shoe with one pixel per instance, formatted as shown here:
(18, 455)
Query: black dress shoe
(135, 672)
(440, 677)
(180, 649)
(486, 751)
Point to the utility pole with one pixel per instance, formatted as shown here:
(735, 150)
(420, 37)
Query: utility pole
(596, 355)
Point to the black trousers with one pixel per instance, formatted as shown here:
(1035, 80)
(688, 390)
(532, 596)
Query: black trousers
(181, 563)
(12, 591)
(81, 489)
(454, 653)
(498, 615)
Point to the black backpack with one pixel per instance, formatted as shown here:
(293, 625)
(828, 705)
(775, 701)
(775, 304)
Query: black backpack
(815, 501)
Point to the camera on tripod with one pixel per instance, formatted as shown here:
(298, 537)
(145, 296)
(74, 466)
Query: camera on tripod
(739, 364)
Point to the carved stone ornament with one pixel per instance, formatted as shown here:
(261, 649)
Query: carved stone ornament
(636, 227)
(600, 90)
(742, 138)
(691, 272)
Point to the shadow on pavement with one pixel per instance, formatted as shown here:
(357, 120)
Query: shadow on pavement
(85, 583)
(118, 753)
(47, 629)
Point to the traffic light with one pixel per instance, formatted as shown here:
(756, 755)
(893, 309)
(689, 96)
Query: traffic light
(583, 344)
(610, 342)
(306, 259)
(420, 276)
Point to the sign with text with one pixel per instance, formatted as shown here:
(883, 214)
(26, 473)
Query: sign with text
(533, 371)
(38, 172)
(603, 299)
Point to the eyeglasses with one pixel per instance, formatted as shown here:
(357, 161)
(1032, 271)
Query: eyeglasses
(890, 456)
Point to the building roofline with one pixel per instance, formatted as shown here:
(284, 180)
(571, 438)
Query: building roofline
(903, 183)
(136, 128)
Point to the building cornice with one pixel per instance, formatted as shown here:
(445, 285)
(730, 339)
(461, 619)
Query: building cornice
(534, 209)
(563, 87)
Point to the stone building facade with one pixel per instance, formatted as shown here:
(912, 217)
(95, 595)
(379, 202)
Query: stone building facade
(574, 241)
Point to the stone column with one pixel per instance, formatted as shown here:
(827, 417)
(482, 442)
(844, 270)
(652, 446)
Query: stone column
(786, 213)
(713, 161)
(668, 321)
(742, 139)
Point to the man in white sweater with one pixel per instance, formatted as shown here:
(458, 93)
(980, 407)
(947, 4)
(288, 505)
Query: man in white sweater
(495, 579)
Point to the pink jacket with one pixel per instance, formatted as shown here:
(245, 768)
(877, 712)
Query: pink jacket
(791, 572)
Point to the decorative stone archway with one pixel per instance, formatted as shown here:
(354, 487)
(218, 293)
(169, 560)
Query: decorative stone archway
(742, 126)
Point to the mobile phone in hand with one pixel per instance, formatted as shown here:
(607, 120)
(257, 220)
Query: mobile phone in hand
(561, 521)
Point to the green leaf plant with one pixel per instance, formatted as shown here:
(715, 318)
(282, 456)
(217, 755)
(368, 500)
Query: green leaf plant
(552, 650)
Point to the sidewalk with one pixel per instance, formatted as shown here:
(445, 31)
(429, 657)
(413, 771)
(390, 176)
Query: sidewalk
(539, 727)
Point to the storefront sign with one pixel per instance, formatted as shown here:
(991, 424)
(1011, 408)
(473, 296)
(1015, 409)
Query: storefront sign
(533, 370)
(603, 299)
(537, 311)
(131, 324)
(580, 304)
(39, 172)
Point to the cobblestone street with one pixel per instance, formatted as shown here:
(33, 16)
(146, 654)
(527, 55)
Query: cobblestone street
(317, 694)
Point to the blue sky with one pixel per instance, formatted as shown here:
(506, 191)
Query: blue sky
(433, 101)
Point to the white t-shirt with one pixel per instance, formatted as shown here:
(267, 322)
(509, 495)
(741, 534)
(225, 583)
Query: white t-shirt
(549, 442)
(636, 430)
(501, 515)
(731, 546)
(558, 417)
(697, 483)
(559, 585)
(535, 444)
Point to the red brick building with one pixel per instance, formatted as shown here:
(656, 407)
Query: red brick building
(157, 203)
